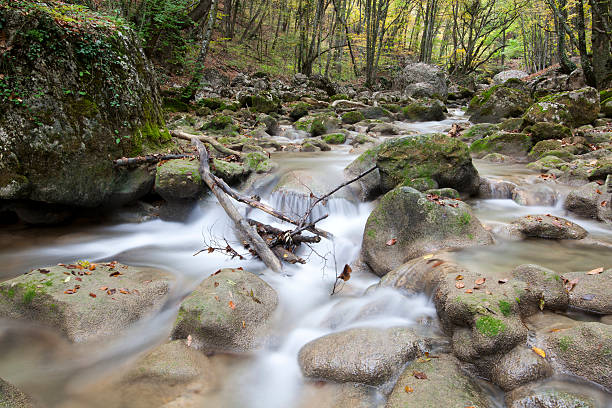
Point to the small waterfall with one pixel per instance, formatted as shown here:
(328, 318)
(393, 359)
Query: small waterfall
(296, 204)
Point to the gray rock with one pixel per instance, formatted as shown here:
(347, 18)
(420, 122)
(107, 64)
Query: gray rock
(550, 227)
(535, 195)
(586, 201)
(495, 188)
(424, 110)
(385, 129)
(545, 288)
(364, 355)
(131, 185)
(507, 143)
(548, 397)
(422, 80)
(44, 296)
(519, 367)
(12, 397)
(584, 351)
(179, 179)
(229, 311)
(447, 385)
(497, 103)
(503, 76)
(592, 293)
(331, 395)
(419, 226)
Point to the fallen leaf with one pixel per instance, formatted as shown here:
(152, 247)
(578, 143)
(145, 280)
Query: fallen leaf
(437, 263)
(427, 256)
(539, 352)
(43, 271)
(232, 305)
(604, 203)
(116, 273)
(93, 295)
(216, 284)
(555, 330)
(459, 285)
(420, 375)
(69, 291)
(391, 242)
(243, 324)
(502, 281)
(459, 277)
(595, 271)
(598, 191)
(104, 288)
(346, 273)
(123, 291)
(469, 291)
(480, 281)
(408, 389)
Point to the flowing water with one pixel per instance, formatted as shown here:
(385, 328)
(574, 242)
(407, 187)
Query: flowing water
(40, 362)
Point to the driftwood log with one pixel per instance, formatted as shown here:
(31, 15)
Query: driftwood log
(207, 139)
(151, 158)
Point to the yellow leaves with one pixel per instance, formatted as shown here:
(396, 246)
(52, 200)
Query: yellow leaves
(408, 389)
(539, 352)
(427, 256)
(232, 305)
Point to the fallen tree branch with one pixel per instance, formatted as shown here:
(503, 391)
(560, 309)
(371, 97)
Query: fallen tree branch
(270, 230)
(151, 158)
(206, 139)
(256, 242)
(323, 197)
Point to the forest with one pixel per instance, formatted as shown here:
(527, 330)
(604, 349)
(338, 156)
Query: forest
(305, 203)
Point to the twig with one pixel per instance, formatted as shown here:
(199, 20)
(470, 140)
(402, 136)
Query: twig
(151, 158)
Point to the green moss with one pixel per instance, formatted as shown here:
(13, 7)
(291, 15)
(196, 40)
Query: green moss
(175, 105)
(391, 107)
(317, 127)
(465, 218)
(338, 97)
(28, 295)
(505, 307)
(299, 110)
(216, 104)
(335, 138)
(565, 343)
(352, 117)
(490, 326)
(371, 233)
(84, 107)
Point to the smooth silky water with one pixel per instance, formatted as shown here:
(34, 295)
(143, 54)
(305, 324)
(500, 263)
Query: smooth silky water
(68, 375)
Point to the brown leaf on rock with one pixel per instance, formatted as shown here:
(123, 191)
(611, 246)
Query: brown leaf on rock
(469, 291)
(595, 271)
(459, 277)
(391, 242)
(480, 281)
(43, 271)
(104, 288)
(232, 305)
(437, 263)
(216, 284)
(408, 389)
(420, 375)
(116, 273)
(459, 285)
(93, 295)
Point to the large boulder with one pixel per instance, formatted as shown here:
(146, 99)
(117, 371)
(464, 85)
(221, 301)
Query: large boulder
(519, 367)
(422, 80)
(364, 355)
(584, 351)
(592, 292)
(229, 311)
(85, 96)
(507, 143)
(437, 382)
(424, 110)
(571, 108)
(590, 201)
(497, 103)
(178, 179)
(407, 224)
(547, 130)
(84, 301)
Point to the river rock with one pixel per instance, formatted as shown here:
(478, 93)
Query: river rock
(592, 293)
(81, 104)
(171, 364)
(61, 297)
(588, 201)
(179, 179)
(503, 76)
(582, 104)
(549, 226)
(407, 224)
(538, 396)
(229, 311)
(479, 131)
(12, 397)
(422, 80)
(385, 129)
(497, 103)
(490, 188)
(363, 355)
(446, 385)
(544, 287)
(519, 367)
(535, 195)
(546, 130)
(131, 185)
(584, 351)
(424, 110)
(332, 395)
(544, 111)
(507, 143)
(375, 112)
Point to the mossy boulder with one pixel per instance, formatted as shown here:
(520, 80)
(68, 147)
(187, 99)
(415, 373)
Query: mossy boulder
(229, 312)
(221, 124)
(71, 299)
(419, 224)
(352, 117)
(231, 172)
(179, 179)
(606, 107)
(547, 130)
(444, 192)
(548, 112)
(479, 131)
(549, 227)
(507, 143)
(375, 112)
(424, 110)
(512, 125)
(260, 103)
(497, 103)
(541, 148)
(436, 156)
(72, 103)
(334, 138)
(299, 110)
(421, 183)
(447, 385)
(547, 163)
(593, 294)
(175, 105)
(320, 144)
(583, 105)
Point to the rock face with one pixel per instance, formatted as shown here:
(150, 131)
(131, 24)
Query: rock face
(227, 312)
(584, 350)
(446, 386)
(550, 227)
(50, 297)
(419, 225)
(365, 355)
(73, 106)
(509, 74)
(422, 80)
(592, 293)
(497, 103)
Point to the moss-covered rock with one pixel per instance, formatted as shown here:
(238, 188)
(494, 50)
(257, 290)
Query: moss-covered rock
(221, 124)
(299, 110)
(546, 163)
(479, 131)
(76, 304)
(179, 179)
(228, 311)
(542, 148)
(175, 105)
(424, 110)
(512, 125)
(320, 144)
(439, 157)
(231, 172)
(510, 144)
(582, 105)
(260, 103)
(375, 112)
(78, 92)
(420, 225)
(334, 138)
(352, 117)
(547, 130)
(497, 103)
(444, 192)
